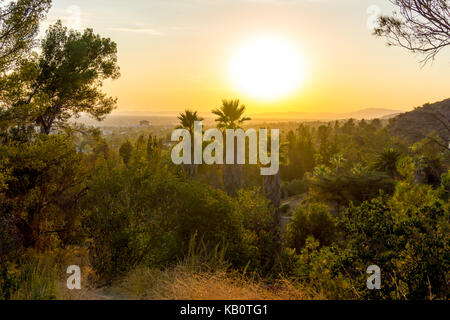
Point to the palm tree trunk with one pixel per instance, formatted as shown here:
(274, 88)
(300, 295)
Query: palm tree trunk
(231, 174)
(272, 190)
(232, 178)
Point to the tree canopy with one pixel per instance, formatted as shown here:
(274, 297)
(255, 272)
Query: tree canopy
(19, 26)
(62, 81)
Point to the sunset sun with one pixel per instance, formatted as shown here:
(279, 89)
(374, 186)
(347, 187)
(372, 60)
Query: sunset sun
(267, 68)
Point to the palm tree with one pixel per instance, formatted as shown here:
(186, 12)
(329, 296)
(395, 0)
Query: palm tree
(231, 116)
(337, 162)
(187, 121)
(387, 162)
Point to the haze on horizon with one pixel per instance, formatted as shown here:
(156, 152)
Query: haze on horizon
(176, 54)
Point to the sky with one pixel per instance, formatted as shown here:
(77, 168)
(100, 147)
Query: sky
(176, 54)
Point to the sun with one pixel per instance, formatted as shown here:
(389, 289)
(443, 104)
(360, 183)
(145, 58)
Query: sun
(267, 68)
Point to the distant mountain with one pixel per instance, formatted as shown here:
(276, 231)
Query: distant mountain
(417, 124)
(368, 114)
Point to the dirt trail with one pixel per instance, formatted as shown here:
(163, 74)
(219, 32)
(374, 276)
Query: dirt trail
(106, 294)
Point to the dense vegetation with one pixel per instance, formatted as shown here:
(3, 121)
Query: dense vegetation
(370, 197)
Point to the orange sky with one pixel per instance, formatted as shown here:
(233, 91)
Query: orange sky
(175, 54)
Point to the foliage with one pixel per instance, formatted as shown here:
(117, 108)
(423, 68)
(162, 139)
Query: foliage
(260, 227)
(314, 220)
(187, 120)
(387, 162)
(327, 184)
(231, 115)
(295, 187)
(409, 242)
(35, 280)
(44, 187)
(126, 151)
(20, 25)
(63, 81)
(121, 195)
(143, 213)
(411, 248)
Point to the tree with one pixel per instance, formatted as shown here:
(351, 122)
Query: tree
(323, 134)
(126, 151)
(341, 186)
(47, 180)
(306, 149)
(314, 220)
(387, 162)
(187, 121)
(64, 80)
(422, 26)
(18, 29)
(408, 239)
(153, 146)
(231, 116)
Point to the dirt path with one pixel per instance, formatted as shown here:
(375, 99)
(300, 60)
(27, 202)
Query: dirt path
(294, 202)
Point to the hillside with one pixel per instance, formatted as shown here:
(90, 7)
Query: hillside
(368, 114)
(415, 125)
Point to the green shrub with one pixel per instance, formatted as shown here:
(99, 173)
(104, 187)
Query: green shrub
(261, 241)
(32, 279)
(411, 247)
(320, 268)
(445, 186)
(295, 187)
(314, 220)
(210, 213)
(143, 214)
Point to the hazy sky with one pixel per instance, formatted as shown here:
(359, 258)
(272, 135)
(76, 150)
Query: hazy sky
(176, 54)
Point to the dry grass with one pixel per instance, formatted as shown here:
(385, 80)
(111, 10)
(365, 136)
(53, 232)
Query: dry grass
(183, 283)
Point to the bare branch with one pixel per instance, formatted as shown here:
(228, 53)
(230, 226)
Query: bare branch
(420, 26)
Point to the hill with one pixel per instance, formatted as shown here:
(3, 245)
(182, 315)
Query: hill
(417, 124)
(368, 114)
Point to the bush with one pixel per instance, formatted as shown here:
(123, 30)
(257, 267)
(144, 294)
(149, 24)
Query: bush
(213, 215)
(409, 243)
(34, 278)
(47, 179)
(143, 214)
(445, 186)
(124, 217)
(314, 220)
(411, 247)
(260, 241)
(295, 187)
(320, 268)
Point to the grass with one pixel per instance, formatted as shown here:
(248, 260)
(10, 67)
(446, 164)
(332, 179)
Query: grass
(42, 276)
(202, 275)
(185, 283)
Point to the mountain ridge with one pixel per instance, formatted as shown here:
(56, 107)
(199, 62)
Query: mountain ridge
(422, 121)
(367, 113)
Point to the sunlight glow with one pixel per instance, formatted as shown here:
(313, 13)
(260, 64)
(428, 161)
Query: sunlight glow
(267, 68)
